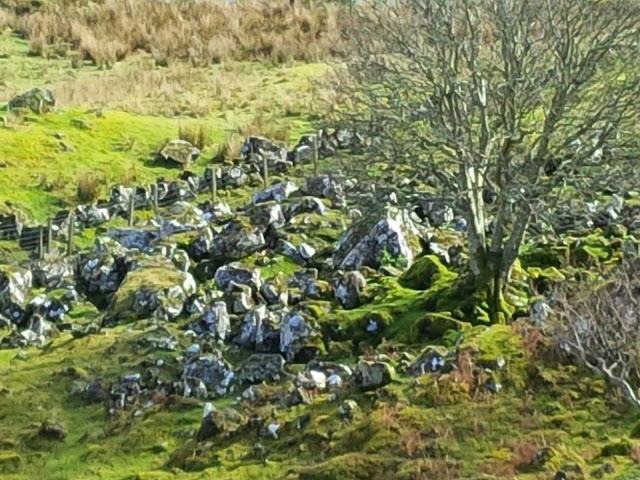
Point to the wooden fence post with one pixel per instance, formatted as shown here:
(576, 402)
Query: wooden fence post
(265, 167)
(315, 155)
(70, 234)
(214, 185)
(132, 207)
(154, 197)
(41, 242)
(49, 235)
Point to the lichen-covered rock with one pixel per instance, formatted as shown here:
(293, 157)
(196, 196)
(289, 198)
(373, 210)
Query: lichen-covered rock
(233, 177)
(306, 205)
(102, 270)
(372, 375)
(54, 305)
(151, 291)
(181, 217)
(296, 332)
(37, 100)
(53, 272)
(212, 370)
(94, 215)
(348, 288)
(229, 275)
(140, 239)
(260, 146)
(266, 214)
(277, 193)
(373, 240)
(261, 367)
(180, 151)
(38, 331)
(325, 186)
(236, 241)
(214, 320)
(260, 330)
(15, 286)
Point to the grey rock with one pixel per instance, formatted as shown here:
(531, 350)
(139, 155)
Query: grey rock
(180, 152)
(277, 193)
(15, 286)
(37, 100)
(372, 238)
(261, 367)
(235, 273)
(372, 375)
(135, 238)
(348, 288)
(53, 272)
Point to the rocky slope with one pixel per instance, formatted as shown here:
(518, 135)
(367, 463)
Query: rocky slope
(309, 328)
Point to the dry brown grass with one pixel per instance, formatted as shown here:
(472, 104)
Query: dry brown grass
(261, 125)
(202, 32)
(89, 187)
(197, 135)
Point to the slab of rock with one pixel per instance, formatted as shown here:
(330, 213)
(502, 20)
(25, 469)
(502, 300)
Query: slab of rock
(277, 193)
(180, 151)
(372, 375)
(348, 288)
(295, 333)
(260, 368)
(216, 374)
(214, 320)
(15, 286)
(53, 272)
(261, 330)
(266, 214)
(306, 205)
(134, 237)
(235, 273)
(236, 241)
(37, 100)
(373, 239)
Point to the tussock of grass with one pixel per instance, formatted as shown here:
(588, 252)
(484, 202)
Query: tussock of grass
(203, 32)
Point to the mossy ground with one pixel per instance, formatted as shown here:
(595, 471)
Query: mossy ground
(411, 429)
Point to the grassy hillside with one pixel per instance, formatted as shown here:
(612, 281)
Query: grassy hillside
(509, 405)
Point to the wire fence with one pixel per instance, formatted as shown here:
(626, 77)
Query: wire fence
(60, 230)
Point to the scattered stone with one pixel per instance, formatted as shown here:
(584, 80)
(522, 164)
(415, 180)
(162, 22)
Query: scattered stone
(347, 410)
(348, 288)
(15, 285)
(52, 431)
(260, 368)
(374, 240)
(180, 151)
(37, 100)
(277, 193)
(373, 375)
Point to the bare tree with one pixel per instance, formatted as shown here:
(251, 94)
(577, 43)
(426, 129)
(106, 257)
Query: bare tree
(522, 97)
(601, 329)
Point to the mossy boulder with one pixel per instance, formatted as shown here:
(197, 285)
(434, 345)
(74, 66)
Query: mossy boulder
(424, 273)
(151, 291)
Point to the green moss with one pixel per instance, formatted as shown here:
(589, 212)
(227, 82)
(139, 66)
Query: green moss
(352, 466)
(9, 461)
(621, 447)
(424, 273)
